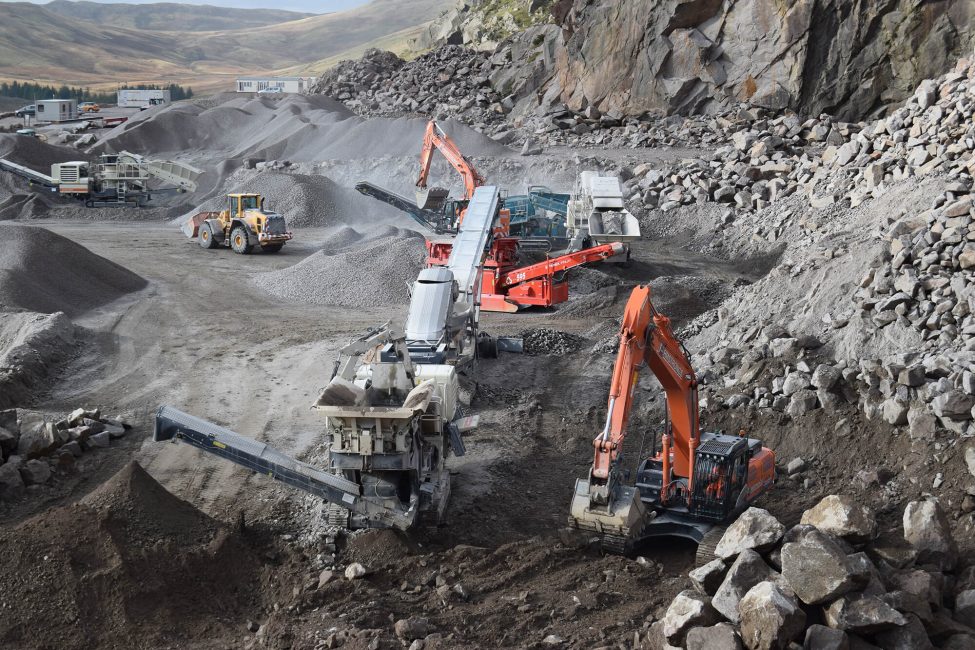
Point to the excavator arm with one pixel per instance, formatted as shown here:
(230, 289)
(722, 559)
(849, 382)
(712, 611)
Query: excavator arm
(646, 337)
(436, 139)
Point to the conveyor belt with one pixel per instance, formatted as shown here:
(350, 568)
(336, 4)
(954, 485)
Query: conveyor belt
(174, 425)
(429, 218)
(467, 253)
(28, 173)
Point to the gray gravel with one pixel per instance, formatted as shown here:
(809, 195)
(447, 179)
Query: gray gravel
(370, 273)
(44, 272)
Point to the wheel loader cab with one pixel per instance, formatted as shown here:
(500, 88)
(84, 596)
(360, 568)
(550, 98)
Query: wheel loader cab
(241, 203)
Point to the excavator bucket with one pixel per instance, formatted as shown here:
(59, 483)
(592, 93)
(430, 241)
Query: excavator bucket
(618, 524)
(431, 198)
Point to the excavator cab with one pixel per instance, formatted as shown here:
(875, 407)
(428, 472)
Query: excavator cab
(721, 489)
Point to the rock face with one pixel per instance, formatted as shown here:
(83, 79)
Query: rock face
(690, 55)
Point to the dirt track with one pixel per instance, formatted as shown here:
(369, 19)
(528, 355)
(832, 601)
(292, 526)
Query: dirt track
(202, 338)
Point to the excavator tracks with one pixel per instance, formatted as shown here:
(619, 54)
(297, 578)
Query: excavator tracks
(707, 545)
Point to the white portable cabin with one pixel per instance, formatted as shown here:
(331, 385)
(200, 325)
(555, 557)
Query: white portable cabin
(56, 110)
(142, 97)
(268, 84)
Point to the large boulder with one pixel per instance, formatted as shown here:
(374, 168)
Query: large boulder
(689, 609)
(820, 637)
(911, 636)
(35, 472)
(747, 571)
(965, 608)
(11, 483)
(926, 529)
(37, 435)
(708, 577)
(770, 617)
(717, 637)
(842, 516)
(8, 443)
(816, 568)
(755, 529)
(862, 615)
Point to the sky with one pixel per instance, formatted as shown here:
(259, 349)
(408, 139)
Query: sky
(308, 6)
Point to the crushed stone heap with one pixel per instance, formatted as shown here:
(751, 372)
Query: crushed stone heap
(44, 272)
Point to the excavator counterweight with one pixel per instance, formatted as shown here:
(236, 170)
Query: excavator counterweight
(694, 480)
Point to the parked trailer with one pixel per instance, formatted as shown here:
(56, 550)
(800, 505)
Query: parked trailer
(142, 97)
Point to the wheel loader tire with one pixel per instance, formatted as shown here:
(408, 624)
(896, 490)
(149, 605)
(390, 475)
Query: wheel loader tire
(272, 248)
(205, 237)
(239, 241)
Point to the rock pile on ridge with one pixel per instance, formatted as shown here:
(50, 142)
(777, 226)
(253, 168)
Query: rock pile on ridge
(449, 81)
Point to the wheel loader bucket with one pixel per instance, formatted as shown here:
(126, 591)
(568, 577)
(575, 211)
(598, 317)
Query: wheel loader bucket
(191, 226)
(431, 198)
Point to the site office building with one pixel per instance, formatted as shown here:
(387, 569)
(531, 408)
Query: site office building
(286, 84)
(56, 110)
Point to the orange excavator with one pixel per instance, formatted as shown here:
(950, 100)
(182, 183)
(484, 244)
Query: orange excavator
(696, 482)
(433, 198)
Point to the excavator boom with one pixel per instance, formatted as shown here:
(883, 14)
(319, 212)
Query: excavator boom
(435, 139)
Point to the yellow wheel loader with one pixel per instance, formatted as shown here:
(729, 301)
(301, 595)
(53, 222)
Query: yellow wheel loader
(242, 226)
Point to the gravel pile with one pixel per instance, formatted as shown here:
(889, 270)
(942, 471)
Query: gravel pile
(377, 271)
(44, 272)
(543, 341)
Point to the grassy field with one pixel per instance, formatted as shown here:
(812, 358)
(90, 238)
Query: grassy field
(40, 45)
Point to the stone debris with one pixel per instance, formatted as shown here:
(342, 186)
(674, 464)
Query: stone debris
(355, 571)
(35, 448)
(545, 341)
(877, 595)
